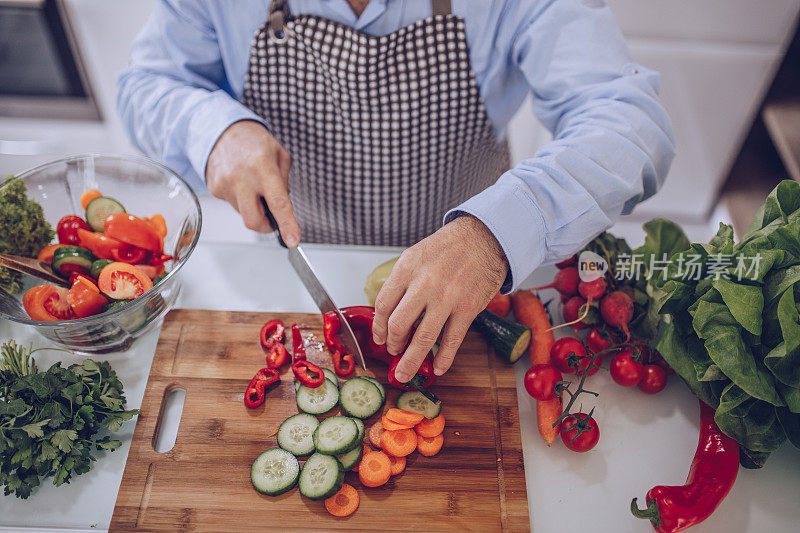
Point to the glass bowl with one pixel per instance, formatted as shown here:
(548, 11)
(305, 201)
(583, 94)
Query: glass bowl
(145, 188)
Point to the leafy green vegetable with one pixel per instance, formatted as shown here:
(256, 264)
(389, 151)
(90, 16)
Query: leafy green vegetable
(50, 421)
(23, 229)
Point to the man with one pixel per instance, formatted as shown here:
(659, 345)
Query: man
(371, 122)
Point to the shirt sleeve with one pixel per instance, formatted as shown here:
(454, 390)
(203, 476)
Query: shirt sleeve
(174, 99)
(612, 139)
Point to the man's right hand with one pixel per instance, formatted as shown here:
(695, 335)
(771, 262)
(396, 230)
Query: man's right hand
(248, 163)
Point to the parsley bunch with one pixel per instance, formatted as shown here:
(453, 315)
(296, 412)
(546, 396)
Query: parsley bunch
(49, 420)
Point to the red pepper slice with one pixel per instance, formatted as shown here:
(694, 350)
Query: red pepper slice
(343, 370)
(307, 373)
(272, 333)
(298, 348)
(277, 356)
(257, 388)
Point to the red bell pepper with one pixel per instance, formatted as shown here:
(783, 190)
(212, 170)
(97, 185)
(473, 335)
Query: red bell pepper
(421, 381)
(257, 389)
(272, 333)
(298, 348)
(711, 477)
(277, 356)
(360, 318)
(343, 362)
(306, 372)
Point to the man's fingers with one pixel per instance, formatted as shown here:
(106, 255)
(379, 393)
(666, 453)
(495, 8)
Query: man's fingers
(454, 333)
(422, 342)
(249, 207)
(388, 297)
(402, 320)
(277, 196)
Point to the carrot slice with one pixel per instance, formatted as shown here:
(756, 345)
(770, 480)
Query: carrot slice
(398, 464)
(407, 418)
(399, 443)
(391, 425)
(430, 428)
(375, 470)
(88, 196)
(343, 503)
(429, 446)
(375, 433)
(367, 450)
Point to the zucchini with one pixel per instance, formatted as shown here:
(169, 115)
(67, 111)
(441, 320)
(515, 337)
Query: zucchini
(321, 477)
(97, 266)
(98, 210)
(509, 339)
(296, 434)
(417, 402)
(274, 472)
(74, 256)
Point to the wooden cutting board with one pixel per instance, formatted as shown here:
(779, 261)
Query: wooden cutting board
(476, 483)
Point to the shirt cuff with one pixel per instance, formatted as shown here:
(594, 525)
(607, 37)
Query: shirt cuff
(209, 120)
(516, 223)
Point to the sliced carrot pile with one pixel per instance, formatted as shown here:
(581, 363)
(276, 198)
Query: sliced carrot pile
(390, 425)
(398, 464)
(88, 196)
(407, 418)
(429, 446)
(430, 428)
(343, 503)
(375, 469)
(375, 433)
(399, 443)
(367, 450)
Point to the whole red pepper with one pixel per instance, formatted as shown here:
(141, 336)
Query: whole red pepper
(257, 388)
(421, 381)
(711, 477)
(306, 372)
(272, 333)
(360, 318)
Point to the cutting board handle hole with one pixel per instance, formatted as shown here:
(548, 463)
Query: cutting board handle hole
(170, 420)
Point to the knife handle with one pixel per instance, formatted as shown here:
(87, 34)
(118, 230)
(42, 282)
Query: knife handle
(273, 222)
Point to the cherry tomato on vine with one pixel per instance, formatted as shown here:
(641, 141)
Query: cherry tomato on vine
(625, 370)
(540, 381)
(654, 380)
(562, 349)
(587, 439)
(68, 227)
(598, 340)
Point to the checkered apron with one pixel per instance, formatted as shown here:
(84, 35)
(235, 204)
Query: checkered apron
(386, 134)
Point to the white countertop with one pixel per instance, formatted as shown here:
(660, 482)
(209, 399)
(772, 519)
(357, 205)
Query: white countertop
(645, 440)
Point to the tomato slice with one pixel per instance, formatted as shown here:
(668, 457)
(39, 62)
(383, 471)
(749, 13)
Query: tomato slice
(102, 246)
(133, 230)
(122, 281)
(158, 224)
(84, 298)
(129, 254)
(152, 271)
(47, 303)
(47, 252)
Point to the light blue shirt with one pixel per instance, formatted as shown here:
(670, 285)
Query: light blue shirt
(612, 140)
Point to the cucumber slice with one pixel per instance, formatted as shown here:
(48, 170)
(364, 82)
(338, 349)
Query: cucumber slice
(97, 266)
(274, 472)
(296, 434)
(297, 384)
(319, 400)
(351, 458)
(417, 402)
(360, 398)
(322, 477)
(331, 375)
(98, 210)
(336, 435)
(74, 256)
(360, 425)
(377, 384)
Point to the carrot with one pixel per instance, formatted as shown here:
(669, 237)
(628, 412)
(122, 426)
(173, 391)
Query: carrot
(88, 196)
(430, 428)
(406, 418)
(547, 412)
(529, 311)
(391, 425)
(375, 433)
(399, 443)
(367, 450)
(429, 446)
(375, 470)
(343, 503)
(398, 464)
(158, 224)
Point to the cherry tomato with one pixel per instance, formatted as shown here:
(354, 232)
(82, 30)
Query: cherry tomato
(625, 370)
(586, 440)
(654, 380)
(540, 381)
(85, 299)
(102, 246)
(47, 252)
(122, 281)
(562, 349)
(598, 340)
(133, 230)
(47, 303)
(128, 254)
(68, 227)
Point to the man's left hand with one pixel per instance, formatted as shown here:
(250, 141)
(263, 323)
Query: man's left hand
(450, 277)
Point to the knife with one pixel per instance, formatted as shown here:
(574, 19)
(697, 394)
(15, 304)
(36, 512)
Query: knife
(299, 261)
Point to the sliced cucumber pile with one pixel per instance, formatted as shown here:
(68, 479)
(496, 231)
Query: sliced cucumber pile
(319, 400)
(360, 425)
(351, 458)
(322, 477)
(336, 435)
(417, 402)
(331, 375)
(360, 398)
(296, 434)
(98, 210)
(377, 384)
(274, 472)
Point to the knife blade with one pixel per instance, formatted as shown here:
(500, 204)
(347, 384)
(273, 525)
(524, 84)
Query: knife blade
(299, 261)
